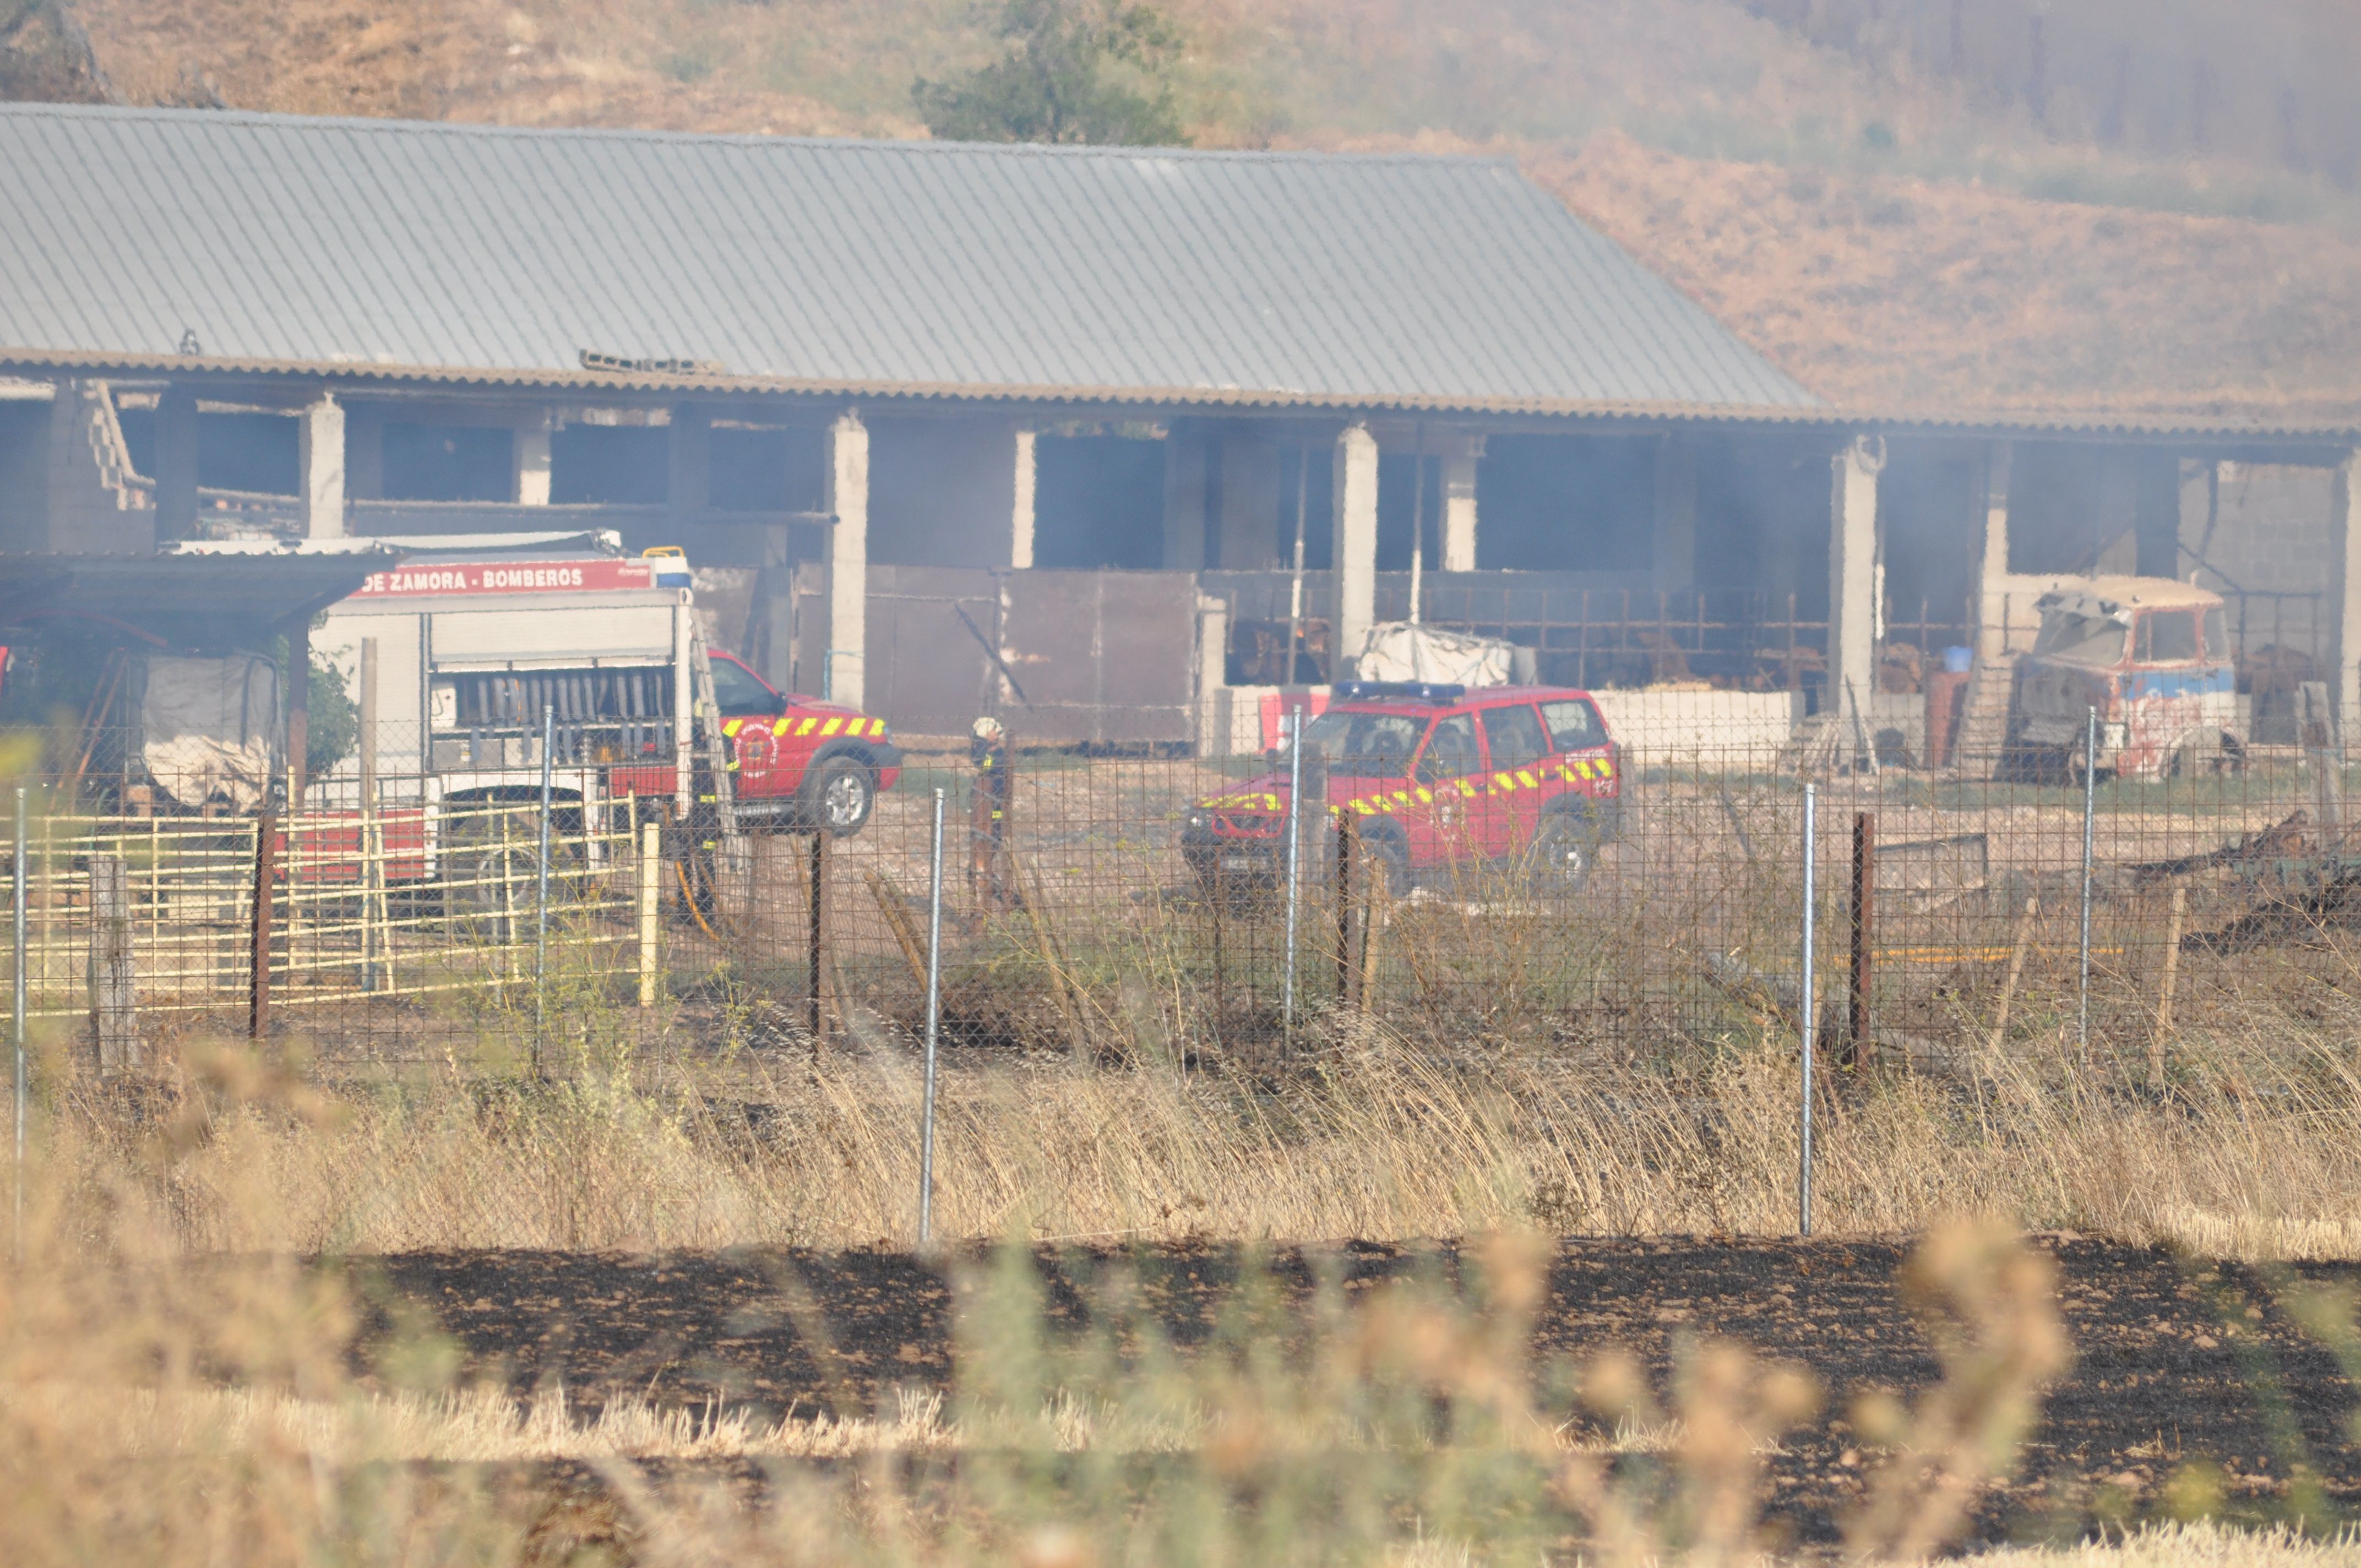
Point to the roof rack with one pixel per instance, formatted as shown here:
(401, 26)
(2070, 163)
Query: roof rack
(1439, 692)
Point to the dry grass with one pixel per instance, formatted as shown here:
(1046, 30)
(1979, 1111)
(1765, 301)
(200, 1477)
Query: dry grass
(2198, 1545)
(160, 1409)
(1374, 1141)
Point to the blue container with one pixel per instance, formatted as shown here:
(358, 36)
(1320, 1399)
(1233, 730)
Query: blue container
(1959, 660)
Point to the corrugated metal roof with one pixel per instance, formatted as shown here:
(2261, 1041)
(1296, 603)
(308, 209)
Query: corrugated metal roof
(499, 253)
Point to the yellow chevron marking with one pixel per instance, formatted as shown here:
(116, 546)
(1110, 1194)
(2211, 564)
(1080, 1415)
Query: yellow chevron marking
(1525, 778)
(831, 727)
(730, 727)
(1505, 783)
(805, 727)
(877, 729)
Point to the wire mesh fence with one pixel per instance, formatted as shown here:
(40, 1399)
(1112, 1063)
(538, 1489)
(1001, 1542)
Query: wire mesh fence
(1563, 889)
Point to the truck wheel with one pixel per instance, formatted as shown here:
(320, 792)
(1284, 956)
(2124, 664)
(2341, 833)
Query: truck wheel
(1565, 848)
(839, 796)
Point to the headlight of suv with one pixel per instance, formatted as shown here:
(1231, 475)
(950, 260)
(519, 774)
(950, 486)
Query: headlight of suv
(1200, 820)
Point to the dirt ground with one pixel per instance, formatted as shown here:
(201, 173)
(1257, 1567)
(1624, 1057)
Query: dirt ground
(2175, 1362)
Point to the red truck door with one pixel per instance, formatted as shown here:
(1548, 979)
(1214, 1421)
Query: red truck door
(750, 711)
(1518, 786)
(1452, 768)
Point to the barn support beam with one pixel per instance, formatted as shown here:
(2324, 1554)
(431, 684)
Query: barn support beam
(1852, 580)
(1991, 554)
(842, 676)
(532, 442)
(1023, 511)
(1355, 545)
(320, 461)
(1459, 505)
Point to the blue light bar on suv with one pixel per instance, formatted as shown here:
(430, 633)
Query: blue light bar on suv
(1399, 691)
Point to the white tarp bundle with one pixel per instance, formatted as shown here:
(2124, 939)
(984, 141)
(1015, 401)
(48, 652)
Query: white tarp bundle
(1397, 651)
(207, 726)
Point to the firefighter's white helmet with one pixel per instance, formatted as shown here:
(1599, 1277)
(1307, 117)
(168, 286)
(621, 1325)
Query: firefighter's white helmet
(988, 728)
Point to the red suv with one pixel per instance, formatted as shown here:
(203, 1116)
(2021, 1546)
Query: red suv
(800, 761)
(1433, 776)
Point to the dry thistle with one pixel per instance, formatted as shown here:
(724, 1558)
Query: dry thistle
(1987, 1303)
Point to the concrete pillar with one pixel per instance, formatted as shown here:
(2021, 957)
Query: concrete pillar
(65, 475)
(532, 461)
(688, 464)
(1853, 576)
(176, 463)
(1991, 554)
(1459, 506)
(1676, 514)
(1356, 551)
(1022, 510)
(848, 560)
(2344, 593)
(1188, 455)
(319, 461)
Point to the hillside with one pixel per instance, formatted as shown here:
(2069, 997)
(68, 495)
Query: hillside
(1919, 295)
(1871, 211)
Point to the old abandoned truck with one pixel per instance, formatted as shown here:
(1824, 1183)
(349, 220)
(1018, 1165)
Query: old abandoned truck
(478, 651)
(2150, 656)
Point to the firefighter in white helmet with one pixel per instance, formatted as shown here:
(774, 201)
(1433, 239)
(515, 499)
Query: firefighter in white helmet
(989, 879)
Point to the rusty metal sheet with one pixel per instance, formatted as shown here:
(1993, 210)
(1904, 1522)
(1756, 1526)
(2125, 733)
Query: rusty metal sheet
(1104, 657)
(929, 661)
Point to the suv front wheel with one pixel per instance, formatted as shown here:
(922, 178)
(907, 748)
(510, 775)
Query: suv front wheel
(1563, 849)
(839, 796)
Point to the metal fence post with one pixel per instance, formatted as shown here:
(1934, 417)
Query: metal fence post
(1294, 839)
(650, 880)
(2089, 805)
(1810, 1019)
(934, 1029)
(818, 919)
(1862, 1039)
(16, 1025)
(265, 874)
(541, 895)
(1344, 869)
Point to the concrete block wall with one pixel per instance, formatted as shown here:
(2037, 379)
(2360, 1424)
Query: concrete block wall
(2258, 527)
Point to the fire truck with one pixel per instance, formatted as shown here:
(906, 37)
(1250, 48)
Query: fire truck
(489, 654)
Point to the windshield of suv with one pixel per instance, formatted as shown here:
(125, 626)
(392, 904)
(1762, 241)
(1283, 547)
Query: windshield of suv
(1366, 743)
(738, 694)
(2079, 639)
